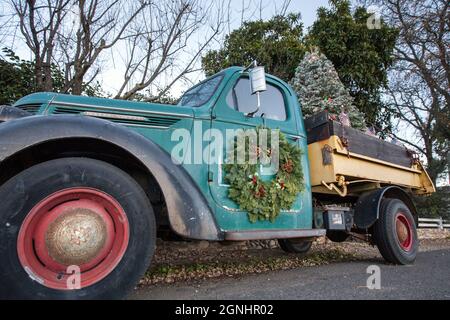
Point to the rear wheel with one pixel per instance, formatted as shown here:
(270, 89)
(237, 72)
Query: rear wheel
(73, 228)
(395, 233)
(298, 246)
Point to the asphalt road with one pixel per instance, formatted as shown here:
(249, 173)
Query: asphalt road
(428, 278)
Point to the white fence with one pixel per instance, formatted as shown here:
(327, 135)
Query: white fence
(434, 223)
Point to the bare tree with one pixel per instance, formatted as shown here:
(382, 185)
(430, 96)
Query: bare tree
(97, 25)
(39, 22)
(160, 41)
(410, 102)
(6, 18)
(72, 35)
(282, 8)
(254, 9)
(419, 81)
(169, 41)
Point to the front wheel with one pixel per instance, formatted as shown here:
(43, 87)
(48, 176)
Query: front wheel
(395, 233)
(73, 228)
(298, 246)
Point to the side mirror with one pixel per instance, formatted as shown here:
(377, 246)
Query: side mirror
(258, 79)
(258, 84)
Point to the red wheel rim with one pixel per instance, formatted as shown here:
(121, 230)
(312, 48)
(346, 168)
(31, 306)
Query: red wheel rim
(404, 231)
(80, 227)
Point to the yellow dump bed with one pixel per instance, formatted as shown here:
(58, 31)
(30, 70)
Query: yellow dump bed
(347, 161)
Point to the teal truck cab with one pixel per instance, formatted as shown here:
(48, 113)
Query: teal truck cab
(87, 184)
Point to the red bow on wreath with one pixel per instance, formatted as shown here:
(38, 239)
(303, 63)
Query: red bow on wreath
(288, 166)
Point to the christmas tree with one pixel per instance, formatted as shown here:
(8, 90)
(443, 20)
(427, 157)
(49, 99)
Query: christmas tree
(319, 88)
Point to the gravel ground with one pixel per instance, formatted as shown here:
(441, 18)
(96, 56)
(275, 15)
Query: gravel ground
(187, 261)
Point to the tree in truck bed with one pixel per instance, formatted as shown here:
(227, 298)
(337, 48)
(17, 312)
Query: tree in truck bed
(319, 88)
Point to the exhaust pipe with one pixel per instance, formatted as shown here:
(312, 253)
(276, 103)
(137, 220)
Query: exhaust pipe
(8, 113)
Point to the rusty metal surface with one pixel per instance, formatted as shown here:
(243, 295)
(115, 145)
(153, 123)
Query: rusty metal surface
(76, 237)
(402, 231)
(327, 158)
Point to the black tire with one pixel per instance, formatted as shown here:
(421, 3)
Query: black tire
(337, 236)
(386, 236)
(21, 193)
(298, 246)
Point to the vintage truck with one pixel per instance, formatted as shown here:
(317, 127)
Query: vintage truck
(88, 184)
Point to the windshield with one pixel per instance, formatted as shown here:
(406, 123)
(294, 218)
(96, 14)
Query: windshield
(201, 93)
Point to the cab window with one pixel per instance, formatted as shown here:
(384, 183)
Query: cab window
(200, 94)
(272, 107)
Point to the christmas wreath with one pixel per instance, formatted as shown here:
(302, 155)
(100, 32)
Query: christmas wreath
(262, 199)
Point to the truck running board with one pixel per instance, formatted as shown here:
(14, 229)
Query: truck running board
(273, 234)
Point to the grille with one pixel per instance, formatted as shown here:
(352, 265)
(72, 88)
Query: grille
(148, 121)
(31, 108)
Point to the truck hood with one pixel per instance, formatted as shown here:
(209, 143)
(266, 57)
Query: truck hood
(43, 103)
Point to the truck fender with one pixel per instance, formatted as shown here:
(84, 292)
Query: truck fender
(189, 213)
(367, 209)
(8, 113)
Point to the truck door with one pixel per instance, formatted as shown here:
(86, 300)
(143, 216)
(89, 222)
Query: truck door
(276, 112)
